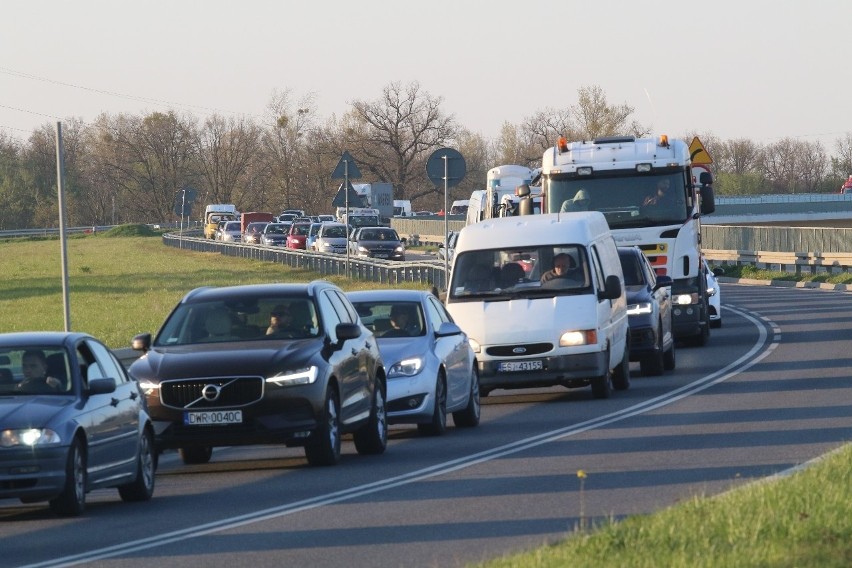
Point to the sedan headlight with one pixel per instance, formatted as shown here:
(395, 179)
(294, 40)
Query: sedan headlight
(400, 248)
(28, 437)
(474, 344)
(305, 376)
(363, 250)
(640, 308)
(406, 368)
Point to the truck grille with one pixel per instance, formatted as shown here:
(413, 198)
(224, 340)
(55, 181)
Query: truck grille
(214, 392)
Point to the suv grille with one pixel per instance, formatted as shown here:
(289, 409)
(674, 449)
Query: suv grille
(515, 350)
(214, 392)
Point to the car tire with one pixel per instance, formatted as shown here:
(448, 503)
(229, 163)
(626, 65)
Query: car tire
(196, 455)
(372, 437)
(323, 447)
(72, 501)
(438, 425)
(669, 359)
(471, 414)
(652, 365)
(602, 385)
(142, 488)
(621, 373)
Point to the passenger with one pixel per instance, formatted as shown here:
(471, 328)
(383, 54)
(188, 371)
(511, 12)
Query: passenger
(580, 202)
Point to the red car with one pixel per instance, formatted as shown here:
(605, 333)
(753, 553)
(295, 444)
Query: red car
(297, 235)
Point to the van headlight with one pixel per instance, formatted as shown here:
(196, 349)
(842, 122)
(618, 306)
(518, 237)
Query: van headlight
(579, 337)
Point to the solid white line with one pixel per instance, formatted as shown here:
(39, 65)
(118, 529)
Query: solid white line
(756, 354)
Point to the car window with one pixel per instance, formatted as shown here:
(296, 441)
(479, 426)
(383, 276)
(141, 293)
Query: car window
(434, 316)
(343, 314)
(109, 365)
(350, 309)
(329, 314)
(26, 371)
(436, 305)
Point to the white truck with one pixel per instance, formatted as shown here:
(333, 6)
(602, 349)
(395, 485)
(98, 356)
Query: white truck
(625, 178)
(359, 217)
(501, 182)
(402, 208)
(378, 196)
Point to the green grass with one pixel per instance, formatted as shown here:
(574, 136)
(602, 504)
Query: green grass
(126, 281)
(746, 271)
(804, 520)
(121, 283)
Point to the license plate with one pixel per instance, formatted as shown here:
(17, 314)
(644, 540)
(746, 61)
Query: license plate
(213, 417)
(519, 366)
(380, 255)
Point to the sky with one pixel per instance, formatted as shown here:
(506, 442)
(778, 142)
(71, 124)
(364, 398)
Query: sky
(757, 69)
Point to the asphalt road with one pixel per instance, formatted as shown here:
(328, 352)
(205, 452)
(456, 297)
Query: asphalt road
(770, 391)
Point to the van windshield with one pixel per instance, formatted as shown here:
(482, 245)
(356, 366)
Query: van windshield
(521, 271)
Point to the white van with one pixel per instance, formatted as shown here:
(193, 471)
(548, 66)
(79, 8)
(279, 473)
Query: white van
(531, 326)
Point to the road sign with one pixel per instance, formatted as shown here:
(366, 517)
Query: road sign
(698, 154)
(449, 161)
(340, 198)
(346, 168)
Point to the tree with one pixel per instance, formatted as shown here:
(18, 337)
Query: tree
(594, 116)
(841, 165)
(393, 136)
(226, 150)
(150, 159)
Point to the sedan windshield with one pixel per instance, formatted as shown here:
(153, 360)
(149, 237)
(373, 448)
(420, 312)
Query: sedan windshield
(34, 370)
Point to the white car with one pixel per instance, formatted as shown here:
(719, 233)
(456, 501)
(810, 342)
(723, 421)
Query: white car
(331, 238)
(714, 295)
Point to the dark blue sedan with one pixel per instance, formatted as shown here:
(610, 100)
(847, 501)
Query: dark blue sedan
(71, 421)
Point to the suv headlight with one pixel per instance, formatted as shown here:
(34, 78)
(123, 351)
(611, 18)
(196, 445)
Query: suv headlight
(305, 376)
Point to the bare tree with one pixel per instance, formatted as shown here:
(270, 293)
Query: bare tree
(841, 164)
(594, 116)
(151, 159)
(226, 150)
(284, 145)
(393, 136)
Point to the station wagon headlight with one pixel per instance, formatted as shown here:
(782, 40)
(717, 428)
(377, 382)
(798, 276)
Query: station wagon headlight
(580, 337)
(406, 368)
(640, 308)
(28, 437)
(305, 376)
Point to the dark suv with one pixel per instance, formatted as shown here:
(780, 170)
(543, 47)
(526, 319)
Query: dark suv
(263, 364)
(377, 242)
(649, 313)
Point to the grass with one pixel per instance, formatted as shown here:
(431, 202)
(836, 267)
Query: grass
(746, 271)
(802, 520)
(125, 282)
(120, 283)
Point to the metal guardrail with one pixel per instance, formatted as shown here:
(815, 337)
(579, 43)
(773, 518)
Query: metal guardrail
(428, 273)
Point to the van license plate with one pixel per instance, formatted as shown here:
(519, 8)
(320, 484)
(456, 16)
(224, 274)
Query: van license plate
(516, 366)
(213, 418)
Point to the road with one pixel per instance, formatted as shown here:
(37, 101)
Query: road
(769, 392)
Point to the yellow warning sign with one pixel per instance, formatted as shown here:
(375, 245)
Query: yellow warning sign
(698, 154)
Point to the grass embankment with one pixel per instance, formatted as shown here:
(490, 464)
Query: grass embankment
(804, 520)
(125, 282)
(121, 282)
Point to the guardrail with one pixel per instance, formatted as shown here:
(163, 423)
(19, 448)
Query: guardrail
(428, 273)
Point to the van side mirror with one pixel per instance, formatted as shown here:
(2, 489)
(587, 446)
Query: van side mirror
(612, 288)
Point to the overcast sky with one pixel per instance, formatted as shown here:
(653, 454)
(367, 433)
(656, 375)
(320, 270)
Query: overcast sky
(756, 69)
